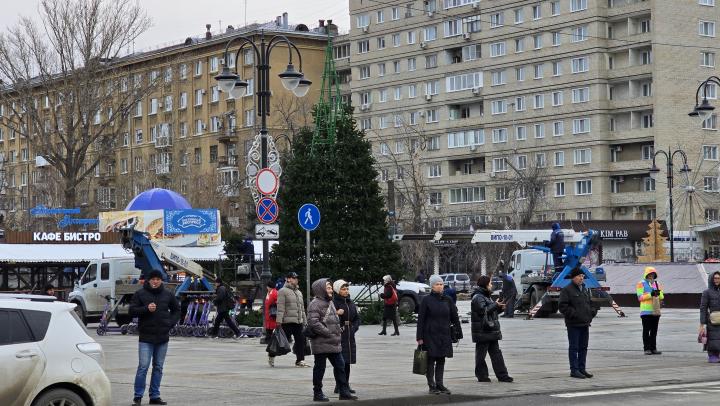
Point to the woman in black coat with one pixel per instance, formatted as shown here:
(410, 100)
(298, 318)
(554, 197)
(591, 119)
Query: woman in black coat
(438, 326)
(486, 333)
(710, 302)
(350, 322)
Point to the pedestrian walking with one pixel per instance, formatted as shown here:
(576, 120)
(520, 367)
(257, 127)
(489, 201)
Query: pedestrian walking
(350, 323)
(576, 305)
(270, 319)
(157, 311)
(438, 326)
(649, 294)
(224, 302)
(486, 334)
(324, 322)
(508, 295)
(291, 316)
(710, 318)
(557, 246)
(390, 297)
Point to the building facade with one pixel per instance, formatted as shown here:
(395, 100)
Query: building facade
(184, 134)
(510, 111)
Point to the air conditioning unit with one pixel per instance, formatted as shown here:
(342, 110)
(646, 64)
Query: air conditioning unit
(466, 36)
(476, 5)
(618, 148)
(365, 107)
(621, 179)
(203, 91)
(423, 45)
(477, 90)
(430, 13)
(366, 29)
(492, 174)
(473, 147)
(437, 207)
(428, 97)
(160, 105)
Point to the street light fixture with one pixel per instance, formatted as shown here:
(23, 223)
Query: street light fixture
(231, 82)
(654, 171)
(703, 110)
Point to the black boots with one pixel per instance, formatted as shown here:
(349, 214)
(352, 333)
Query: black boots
(320, 397)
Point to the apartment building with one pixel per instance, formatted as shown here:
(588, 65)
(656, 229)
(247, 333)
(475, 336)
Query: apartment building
(185, 135)
(569, 99)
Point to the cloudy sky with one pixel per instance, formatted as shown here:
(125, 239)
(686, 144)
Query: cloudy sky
(175, 20)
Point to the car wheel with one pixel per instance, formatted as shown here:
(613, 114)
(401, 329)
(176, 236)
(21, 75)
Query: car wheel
(407, 304)
(80, 311)
(59, 397)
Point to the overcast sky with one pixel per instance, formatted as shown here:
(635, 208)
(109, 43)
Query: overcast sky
(175, 20)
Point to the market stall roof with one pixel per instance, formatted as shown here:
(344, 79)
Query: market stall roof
(74, 253)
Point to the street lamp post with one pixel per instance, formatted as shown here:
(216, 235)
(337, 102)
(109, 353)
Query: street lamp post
(669, 156)
(704, 109)
(231, 82)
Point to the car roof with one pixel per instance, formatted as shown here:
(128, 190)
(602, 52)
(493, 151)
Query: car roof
(33, 302)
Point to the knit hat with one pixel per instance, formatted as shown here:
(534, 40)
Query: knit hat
(435, 279)
(338, 285)
(575, 272)
(155, 274)
(387, 279)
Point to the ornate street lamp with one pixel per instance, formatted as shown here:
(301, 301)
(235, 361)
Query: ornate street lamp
(704, 109)
(263, 153)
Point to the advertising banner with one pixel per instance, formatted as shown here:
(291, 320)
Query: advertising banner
(191, 221)
(153, 223)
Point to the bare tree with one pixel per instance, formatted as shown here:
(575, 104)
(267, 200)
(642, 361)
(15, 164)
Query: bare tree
(63, 85)
(522, 189)
(293, 114)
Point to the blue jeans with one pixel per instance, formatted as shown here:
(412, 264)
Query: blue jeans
(148, 352)
(338, 363)
(578, 338)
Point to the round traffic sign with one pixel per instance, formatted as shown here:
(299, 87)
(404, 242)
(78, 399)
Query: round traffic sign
(267, 210)
(309, 217)
(266, 181)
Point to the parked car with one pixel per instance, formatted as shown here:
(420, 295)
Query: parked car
(46, 356)
(409, 294)
(459, 281)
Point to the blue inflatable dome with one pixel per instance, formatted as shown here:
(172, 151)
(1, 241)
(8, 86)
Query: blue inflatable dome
(158, 199)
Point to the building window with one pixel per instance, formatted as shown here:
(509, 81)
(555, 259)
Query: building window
(556, 68)
(519, 16)
(583, 187)
(498, 107)
(431, 61)
(467, 195)
(502, 193)
(412, 64)
(199, 97)
(497, 20)
(362, 21)
(380, 16)
(198, 68)
(499, 135)
(580, 65)
(583, 156)
(540, 160)
(497, 49)
(710, 152)
(498, 78)
(555, 8)
(559, 158)
(429, 33)
(522, 162)
(649, 184)
(520, 103)
(647, 121)
(395, 13)
(578, 5)
(365, 72)
(710, 184)
(539, 130)
(521, 133)
(539, 101)
(556, 41)
(434, 171)
(433, 143)
(707, 59)
(453, 28)
(706, 28)
(537, 41)
(519, 45)
(558, 128)
(645, 58)
(520, 73)
(581, 95)
(648, 152)
(138, 136)
(363, 46)
(381, 43)
(557, 98)
(432, 116)
(435, 198)
(581, 126)
(712, 215)
(579, 33)
(710, 3)
(538, 71)
(536, 12)
(584, 215)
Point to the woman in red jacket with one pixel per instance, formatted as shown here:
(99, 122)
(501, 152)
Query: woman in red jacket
(270, 322)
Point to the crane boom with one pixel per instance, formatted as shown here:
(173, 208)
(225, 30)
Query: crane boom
(522, 237)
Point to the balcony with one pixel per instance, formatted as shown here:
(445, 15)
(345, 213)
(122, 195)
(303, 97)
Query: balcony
(163, 142)
(632, 103)
(228, 134)
(634, 166)
(163, 168)
(624, 7)
(630, 71)
(631, 135)
(632, 199)
(229, 190)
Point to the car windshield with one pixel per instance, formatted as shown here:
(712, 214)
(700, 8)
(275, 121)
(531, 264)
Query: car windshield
(462, 277)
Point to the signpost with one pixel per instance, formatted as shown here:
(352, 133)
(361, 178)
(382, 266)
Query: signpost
(309, 219)
(267, 231)
(267, 210)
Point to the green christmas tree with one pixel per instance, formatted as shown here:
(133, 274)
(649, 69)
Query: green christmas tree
(352, 240)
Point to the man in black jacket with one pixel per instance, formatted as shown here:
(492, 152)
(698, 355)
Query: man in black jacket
(224, 302)
(508, 294)
(576, 305)
(557, 246)
(157, 311)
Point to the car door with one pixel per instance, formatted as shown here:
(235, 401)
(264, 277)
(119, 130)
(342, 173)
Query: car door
(22, 363)
(89, 285)
(103, 282)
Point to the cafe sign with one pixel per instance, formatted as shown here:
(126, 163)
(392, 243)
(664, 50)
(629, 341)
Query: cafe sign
(618, 234)
(66, 237)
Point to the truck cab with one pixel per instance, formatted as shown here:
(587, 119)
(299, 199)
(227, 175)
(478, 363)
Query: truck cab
(99, 282)
(528, 262)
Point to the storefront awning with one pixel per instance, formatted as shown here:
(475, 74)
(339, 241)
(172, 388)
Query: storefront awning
(78, 253)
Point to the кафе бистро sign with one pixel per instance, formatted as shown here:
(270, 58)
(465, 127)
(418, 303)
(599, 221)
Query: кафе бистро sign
(67, 236)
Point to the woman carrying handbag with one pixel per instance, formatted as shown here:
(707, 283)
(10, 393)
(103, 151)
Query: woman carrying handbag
(710, 318)
(486, 333)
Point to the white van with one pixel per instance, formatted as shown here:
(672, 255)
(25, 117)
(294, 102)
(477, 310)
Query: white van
(99, 281)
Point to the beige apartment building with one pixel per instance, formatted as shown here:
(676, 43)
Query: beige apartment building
(571, 96)
(185, 135)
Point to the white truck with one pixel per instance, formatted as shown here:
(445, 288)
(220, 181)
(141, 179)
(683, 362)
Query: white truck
(100, 281)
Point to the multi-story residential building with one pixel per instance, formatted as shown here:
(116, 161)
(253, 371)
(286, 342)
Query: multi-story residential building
(554, 107)
(185, 135)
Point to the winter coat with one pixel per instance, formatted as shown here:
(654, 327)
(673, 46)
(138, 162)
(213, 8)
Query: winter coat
(481, 305)
(437, 322)
(509, 289)
(557, 241)
(450, 292)
(224, 299)
(290, 305)
(350, 322)
(576, 305)
(390, 309)
(709, 302)
(154, 327)
(644, 290)
(323, 321)
(271, 299)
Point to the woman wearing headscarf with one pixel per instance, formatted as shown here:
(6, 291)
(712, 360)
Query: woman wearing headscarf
(710, 317)
(325, 343)
(350, 322)
(438, 326)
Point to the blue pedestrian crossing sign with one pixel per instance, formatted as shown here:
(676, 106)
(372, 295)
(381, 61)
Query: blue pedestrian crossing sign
(309, 217)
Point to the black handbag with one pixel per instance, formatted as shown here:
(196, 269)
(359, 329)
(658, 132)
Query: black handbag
(308, 332)
(420, 361)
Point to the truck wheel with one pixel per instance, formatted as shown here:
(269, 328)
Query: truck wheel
(407, 304)
(59, 397)
(80, 311)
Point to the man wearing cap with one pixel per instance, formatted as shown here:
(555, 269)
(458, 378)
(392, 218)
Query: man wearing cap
(576, 305)
(390, 297)
(157, 311)
(224, 302)
(291, 315)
